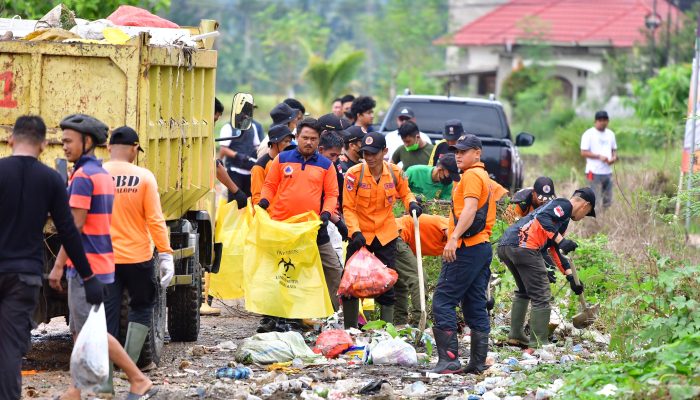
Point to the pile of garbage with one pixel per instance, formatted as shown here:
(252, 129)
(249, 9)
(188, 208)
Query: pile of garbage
(61, 25)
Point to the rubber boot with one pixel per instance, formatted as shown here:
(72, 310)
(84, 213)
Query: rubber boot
(516, 336)
(108, 386)
(539, 327)
(477, 353)
(351, 308)
(448, 352)
(206, 309)
(386, 313)
(135, 338)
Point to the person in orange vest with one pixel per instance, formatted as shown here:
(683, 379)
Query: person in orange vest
(299, 181)
(279, 139)
(467, 257)
(527, 200)
(433, 237)
(371, 189)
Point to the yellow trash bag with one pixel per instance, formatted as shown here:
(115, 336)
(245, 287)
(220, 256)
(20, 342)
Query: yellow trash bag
(231, 230)
(282, 268)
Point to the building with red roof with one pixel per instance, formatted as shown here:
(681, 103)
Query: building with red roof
(580, 35)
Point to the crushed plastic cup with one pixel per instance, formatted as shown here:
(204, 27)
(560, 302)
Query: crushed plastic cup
(512, 361)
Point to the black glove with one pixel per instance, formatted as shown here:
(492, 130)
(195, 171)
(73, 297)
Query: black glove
(567, 246)
(342, 229)
(551, 275)
(264, 204)
(578, 289)
(325, 216)
(414, 206)
(94, 290)
(358, 240)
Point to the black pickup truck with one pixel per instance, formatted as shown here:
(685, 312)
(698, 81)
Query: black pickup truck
(484, 118)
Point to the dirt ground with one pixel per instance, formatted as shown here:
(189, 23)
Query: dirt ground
(187, 370)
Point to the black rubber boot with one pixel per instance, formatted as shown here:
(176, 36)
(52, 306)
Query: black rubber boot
(351, 308)
(448, 352)
(386, 313)
(477, 353)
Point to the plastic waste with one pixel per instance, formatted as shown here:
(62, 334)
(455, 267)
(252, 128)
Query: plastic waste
(356, 354)
(227, 345)
(394, 351)
(333, 342)
(490, 396)
(89, 361)
(366, 276)
(373, 386)
(272, 347)
(135, 16)
(543, 394)
(234, 373)
(415, 389)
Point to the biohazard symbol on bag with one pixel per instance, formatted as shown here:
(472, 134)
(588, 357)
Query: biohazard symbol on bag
(285, 251)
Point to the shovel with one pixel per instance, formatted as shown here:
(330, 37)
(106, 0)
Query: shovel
(588, 315)
(421, 281)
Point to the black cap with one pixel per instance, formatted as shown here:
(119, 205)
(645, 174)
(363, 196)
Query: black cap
(331, 122)
(278, 132)
(453, 129)
(544, 188)
(296, 105)
(282, 114)
(373, 142)
(467, 142)
(353, 133)
(406, 112)
(601, 115)
(125, 135)
(449, 162)
(588, 195)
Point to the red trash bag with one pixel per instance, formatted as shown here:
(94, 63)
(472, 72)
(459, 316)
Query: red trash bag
(365, 276)
(333, 342)
(135, 16)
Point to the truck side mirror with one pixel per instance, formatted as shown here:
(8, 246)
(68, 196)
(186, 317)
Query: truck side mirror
(524, 139)
(242, 111)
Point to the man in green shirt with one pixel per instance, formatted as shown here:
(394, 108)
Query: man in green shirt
(434, 182)
(414, 150)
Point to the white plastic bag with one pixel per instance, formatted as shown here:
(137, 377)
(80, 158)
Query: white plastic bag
(89, 361)
(394, 351)
(272, 347)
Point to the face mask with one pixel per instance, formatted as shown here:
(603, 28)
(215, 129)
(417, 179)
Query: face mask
(446, 180)
(412, 147)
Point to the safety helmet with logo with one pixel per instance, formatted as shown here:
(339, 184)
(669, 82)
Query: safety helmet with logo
(87, 125)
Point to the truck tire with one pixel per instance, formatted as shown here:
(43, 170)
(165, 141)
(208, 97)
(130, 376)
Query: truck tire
(183, 306)
(153, 346)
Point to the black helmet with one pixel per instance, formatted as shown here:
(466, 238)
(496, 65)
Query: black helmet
(86, 125)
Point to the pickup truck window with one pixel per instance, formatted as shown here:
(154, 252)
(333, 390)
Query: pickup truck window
(481, 120)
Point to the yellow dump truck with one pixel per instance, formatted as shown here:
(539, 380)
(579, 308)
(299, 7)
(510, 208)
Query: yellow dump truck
(166, 93)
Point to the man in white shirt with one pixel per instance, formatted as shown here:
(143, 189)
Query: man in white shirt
(393, 140)
(599, 148)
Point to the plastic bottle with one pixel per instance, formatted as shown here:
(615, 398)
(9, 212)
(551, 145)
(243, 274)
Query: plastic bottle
(234, 373)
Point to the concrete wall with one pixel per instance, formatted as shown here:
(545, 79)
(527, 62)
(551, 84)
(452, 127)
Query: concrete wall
(462, 12)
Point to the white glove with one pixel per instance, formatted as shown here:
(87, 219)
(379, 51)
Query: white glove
(167, 268)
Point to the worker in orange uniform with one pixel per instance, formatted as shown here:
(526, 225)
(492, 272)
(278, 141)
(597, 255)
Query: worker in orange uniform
(433, 237)
(280, 137)
(137, 221)
(371, 189)
(466, 260)
(299, 181)
(528, 200)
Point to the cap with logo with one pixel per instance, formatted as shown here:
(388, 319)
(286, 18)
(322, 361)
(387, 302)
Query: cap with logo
(353, 133)
(373, 143)
(588, 195)
(282, 114)
(278, 132)
(406, 113)
(467, 142)
(601, 115)
(544, 188)
(449, 162)
(453, 129)
(125, 135)
(331, 122)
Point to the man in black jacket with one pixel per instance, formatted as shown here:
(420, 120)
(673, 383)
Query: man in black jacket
(29, 191)
(240, 153)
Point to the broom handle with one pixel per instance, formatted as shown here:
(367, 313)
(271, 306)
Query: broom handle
(573, 272)
(421, 279)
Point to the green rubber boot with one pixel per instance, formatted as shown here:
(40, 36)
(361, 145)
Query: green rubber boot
(135, 337)
(539, 327)
(108, 386)
(386, 314)
(517, 322)
(351, 308)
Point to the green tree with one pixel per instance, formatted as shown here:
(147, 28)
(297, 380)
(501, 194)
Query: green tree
(86, 9)
(328, 77)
